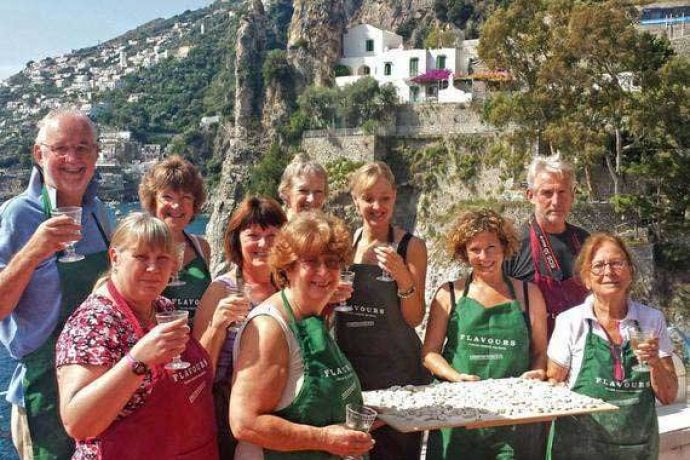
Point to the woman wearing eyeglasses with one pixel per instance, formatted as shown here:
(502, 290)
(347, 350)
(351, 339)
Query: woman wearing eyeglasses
(589, 351)
(291, 381)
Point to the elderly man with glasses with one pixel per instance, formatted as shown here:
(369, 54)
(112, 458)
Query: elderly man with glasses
(38, 292)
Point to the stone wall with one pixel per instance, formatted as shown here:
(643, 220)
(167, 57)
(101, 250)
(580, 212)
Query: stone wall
(438, 119)
(330, 145)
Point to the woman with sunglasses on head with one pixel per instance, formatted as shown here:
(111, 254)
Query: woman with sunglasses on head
(173, 191)
(291, 381)
(591, 352)
(117, 398)
(249, 236)
(378, 334)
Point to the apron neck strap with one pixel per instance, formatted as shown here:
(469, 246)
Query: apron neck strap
(616, 352)
(286, 305)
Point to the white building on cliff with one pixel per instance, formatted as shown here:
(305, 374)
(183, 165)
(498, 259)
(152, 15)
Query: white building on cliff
(418, 75)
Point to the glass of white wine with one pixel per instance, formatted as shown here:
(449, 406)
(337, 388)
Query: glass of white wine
(247, 292)
(637, 338)
(385, 276)
(359, 418)
(73, 212)
(179, 249)
(347, 278)
(168, 317)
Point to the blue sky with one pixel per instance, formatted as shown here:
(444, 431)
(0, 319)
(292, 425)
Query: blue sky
(34, 29)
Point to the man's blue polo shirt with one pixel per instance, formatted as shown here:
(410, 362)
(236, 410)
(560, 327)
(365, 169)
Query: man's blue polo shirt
(36, 314)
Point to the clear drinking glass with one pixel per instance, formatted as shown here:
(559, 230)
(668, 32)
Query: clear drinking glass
(385, 276)
(74, 212)
(360, 418)
(168, 317)
(247, 292)
(346, 277)
(637, 338)
(176, 281)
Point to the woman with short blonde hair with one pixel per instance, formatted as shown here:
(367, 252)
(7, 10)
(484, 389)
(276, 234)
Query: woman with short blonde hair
(303, 186)
(110, 357)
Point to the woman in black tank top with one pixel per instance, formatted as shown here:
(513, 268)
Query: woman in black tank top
(378, 335)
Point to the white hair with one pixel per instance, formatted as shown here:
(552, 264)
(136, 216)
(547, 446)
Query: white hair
(551, 165)
(54, 115)
(301, 166)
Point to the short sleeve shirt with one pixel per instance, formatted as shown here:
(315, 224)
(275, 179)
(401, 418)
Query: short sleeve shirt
(99, 334)
(36, 313)
(567, 345)
(521, 265)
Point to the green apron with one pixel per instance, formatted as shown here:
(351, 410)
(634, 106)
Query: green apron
(629, 433)
(48, 436)
(491, 343)
(197, 277)
(329, 384)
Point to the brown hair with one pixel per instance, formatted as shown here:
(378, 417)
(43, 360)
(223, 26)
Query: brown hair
(583, 263)
(174, 173)
(254, 210)
(470, 223)
(367, 175)
(308, 234)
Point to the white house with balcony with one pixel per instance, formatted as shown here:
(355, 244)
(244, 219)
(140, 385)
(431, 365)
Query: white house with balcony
(418, 75)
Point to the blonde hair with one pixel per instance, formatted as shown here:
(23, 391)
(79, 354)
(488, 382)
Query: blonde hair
(471, 223)
(368, 174)
(309, 233)
(300, 166)
(551, 165)
(140, 229)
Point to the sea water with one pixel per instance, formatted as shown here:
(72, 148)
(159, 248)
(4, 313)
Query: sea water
(7, 364)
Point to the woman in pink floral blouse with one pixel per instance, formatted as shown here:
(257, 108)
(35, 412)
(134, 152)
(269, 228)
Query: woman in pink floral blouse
(117, 400)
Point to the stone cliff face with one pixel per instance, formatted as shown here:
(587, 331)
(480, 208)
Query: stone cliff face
(240, 141)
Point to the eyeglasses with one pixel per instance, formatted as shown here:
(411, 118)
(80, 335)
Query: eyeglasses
(63, 150)
(616, 266)
(313, 263)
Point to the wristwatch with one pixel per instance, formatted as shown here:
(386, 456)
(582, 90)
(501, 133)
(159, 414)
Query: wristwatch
(138, 367)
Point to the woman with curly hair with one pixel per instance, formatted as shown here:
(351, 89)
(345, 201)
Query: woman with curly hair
(173, 191)
(492, 326)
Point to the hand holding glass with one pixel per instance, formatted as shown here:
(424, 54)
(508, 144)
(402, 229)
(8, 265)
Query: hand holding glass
(180, 249)
(359, 418)
(168, 317)
(73, 212)
(385, 275)
(638, 338)
(247, 292)
(346, 277)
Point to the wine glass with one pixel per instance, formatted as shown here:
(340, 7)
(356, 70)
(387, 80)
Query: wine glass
(176, 281)
(637, 338)
(247, 292)
(346, 277)
(74, 212)
(168, 317)
(360, 418)
(385, 275)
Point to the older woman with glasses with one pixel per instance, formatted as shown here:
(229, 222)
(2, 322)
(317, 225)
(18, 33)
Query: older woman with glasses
(173, 191)
(291, 381)
(117, 398)
(590, 351)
